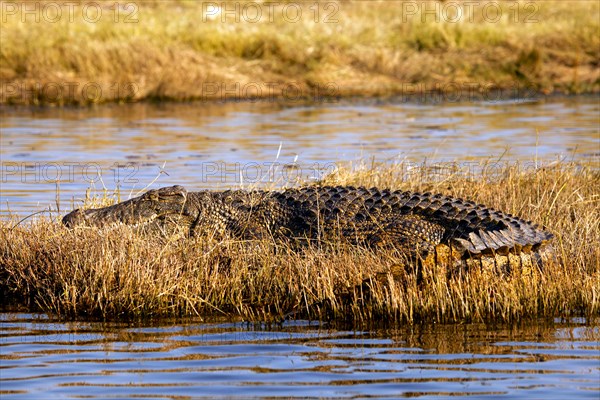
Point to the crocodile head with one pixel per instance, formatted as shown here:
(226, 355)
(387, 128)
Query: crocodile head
(156, 208)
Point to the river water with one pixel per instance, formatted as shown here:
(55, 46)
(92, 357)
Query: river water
(46, 359)
(51, 156)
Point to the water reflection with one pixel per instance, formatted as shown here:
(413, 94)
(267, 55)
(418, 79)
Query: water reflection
(207, 145)
(42, 357)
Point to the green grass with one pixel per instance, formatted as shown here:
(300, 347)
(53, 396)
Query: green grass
(374, 48)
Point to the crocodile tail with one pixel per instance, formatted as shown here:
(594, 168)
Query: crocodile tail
(475, 229)
(517, 235)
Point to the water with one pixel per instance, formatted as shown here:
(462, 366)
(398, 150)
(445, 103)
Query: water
(225, 145)
(207, 145)
(45, 359)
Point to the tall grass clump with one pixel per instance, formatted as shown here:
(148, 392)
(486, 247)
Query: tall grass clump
(116, 273)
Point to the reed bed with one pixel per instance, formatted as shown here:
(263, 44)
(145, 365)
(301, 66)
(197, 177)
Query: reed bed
(110, 51)
(115, 273)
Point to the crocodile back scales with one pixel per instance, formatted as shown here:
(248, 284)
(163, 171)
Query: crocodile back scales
(372, 214)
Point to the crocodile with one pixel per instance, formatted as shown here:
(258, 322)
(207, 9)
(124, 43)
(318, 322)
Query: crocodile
(421, 225)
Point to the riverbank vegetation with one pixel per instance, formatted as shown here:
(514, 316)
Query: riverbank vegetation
(92, 52)
(116, 273)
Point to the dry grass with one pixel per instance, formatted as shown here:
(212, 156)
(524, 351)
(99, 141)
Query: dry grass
(114, 273)
(366, 48)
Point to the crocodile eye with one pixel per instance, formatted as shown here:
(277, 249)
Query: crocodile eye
(151, 195)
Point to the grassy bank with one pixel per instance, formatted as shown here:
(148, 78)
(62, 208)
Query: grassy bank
(115, 273)
(180, 50)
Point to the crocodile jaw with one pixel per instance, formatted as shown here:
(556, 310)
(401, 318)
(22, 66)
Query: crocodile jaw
(154, 207)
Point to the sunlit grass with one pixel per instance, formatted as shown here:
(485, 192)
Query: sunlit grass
(116, 273)
(171, 51)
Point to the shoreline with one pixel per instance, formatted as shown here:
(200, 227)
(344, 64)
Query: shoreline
(425, 98)
(32, 95)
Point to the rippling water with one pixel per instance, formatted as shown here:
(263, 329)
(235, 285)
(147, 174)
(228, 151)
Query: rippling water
(224, 145)
(207, 145)
(46, 359)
